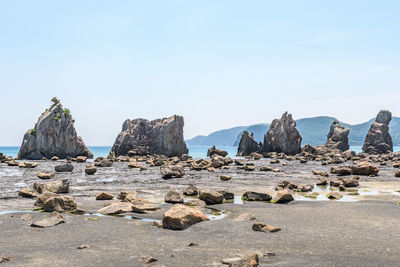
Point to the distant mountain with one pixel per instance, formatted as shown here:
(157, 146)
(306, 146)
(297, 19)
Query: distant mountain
(313, 130)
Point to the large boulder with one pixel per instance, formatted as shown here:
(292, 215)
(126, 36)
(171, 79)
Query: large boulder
(338, 137)
(54, 134)
(142, 137)
(283, 136)
(247, 144)
(378, 139)
(180, 217)
(172, 171)
(364, 168)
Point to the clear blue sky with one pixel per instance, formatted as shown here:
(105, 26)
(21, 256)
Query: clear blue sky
(218, 63)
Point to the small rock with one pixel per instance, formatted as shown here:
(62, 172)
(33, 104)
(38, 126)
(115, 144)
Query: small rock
(81, 159)
(341, 170)
(65, 167)
(283, 196)
(225, 177)
(145, 208)
(180, 217)
(28, 193)
(239, 162)
(227, 195)
(104, 163)
(334, 195)
(127, 196)
(260, 227)
(256, 196)
(350, 182)
(266, 169)
(173, 196)
(116, 208)
(45, 175)
(54, 158)
(104, 196)
(49, 221)
(397, 173)
(211, 197)
(83, 246)
(322, 182)
(27, 165)
(147, 259)
(172, 171)
(90, 169)
(4, 259)
(59, 186)
(244, 217)
(191, 191)
(60, 204)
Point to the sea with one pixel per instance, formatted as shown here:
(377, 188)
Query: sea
(195, 151)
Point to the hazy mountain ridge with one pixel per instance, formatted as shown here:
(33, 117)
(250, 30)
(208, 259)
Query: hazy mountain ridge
(313, 130)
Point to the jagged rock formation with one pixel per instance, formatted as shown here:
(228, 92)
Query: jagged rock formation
(283, 136)
(54, 134)
(142, 137)
(378, 139)
(338, 137)
(247, 145)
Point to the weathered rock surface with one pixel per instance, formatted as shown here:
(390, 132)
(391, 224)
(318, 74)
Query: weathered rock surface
(54, 134)
(173, 196)
(59, 186)
(49, 221)
(261, 227)
(60, 203)
(191, 191)
(172, 171)
(256, 196)
(142, 137)
(378, 139)
(116, 208)
(180, 217)
(364, 168)
(65, 167)
(341, 170)
(249, 261)
(28, 193)
(211, 197)
(90, 169)
(283, 136)
(104, 163)
(45, 175)
(144, 208)
(247, 144)
(104, 196)
(28, 165)
(127, 196)
(283, 196)
(244, 217)
(214, 151)
(338, 137)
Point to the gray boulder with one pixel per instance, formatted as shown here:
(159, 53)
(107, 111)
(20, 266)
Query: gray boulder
(247, 144)
(54, 134)
(142, 137)
(378, 139)
(338, 137)
(283, 136)
(214, 151)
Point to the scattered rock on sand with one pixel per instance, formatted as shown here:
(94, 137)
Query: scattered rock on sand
(397, 173)
(213, 151)
(127, 196)
(250, 261)
(225, 177)
(104, 196)
(173, 196)
(191, 191)
(341, 170)
(321, 173)
(147, 259)
(350, 182)
(81, 159)
(334, 195)
(144, 208)
(27, 165)
(211, 197)
(283, 196)
(116, 208)
(172, 171)
(28, 193)
(64, 167)
(60, 203)
(90, 169)
(260, 227)
(50, 221)
(105, 163)
(322, 182)
(364, 168)
(256, 196)
(244, 217)
(83, 246)
(180, 217)
(59, 186)
(45, 175)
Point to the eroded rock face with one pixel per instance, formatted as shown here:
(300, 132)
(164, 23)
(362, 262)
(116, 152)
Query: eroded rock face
(338, 137)
(247, 144)
(142, 137)
(378, 139)
(283, 136)
(54, 134)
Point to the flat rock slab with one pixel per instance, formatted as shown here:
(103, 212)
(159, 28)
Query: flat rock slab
(49, 221)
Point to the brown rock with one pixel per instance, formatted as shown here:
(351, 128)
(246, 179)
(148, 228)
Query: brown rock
(104, 196)
(180, 217)
(260, 227)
